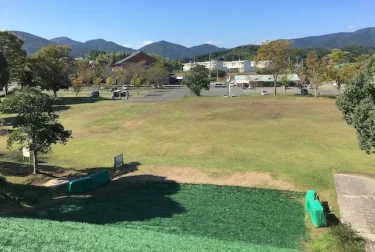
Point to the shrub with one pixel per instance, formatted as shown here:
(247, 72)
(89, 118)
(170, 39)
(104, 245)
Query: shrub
(3, 181)
(348, 240)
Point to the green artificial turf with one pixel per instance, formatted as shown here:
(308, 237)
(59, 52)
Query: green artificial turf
(260, 218)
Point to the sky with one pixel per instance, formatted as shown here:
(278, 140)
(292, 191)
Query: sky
(223, 23)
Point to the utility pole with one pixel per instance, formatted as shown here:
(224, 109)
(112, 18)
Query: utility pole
(209, 59)
(217, 67)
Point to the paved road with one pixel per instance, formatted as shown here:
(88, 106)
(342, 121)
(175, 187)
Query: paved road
(356, 198)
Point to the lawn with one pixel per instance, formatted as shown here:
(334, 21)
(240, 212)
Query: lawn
(163, 216)
(299, 140)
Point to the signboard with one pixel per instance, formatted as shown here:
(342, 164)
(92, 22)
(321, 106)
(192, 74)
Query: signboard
(118, 160)
(25, 152)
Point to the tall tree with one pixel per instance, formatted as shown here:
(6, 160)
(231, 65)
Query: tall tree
(52, 67)
(4, 72)
(197, 79)
(284, 82)
(314, 71)
(335, 60)
(77, 85)
(357, 104)
(36, 125)
(275, 57)
(15, 57)
(156, 75)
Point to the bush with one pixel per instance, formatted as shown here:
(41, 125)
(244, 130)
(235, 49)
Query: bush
(340, 238)
(220, 73)
(348, 240)
(3, 181)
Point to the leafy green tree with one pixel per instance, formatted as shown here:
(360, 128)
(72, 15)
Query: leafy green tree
(138, 80)
(109, 82)
(77, 85)
(15, 57)
(284, 82)
(335, 60)
(4, 71)
(97, 81)
(52, 67)
(357, 104)
(36, 125)
(156, 75)
(315, 71)
(275, 56)
(197, 79)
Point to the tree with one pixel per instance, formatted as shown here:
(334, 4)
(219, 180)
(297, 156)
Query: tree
(357, 106)
(274, 55)
(109, 83)
(284, 82)
(4, 71)
(52, 67)
(314, 71)
(156, 75)
(97, 81)
(77, 85)
(36, 125)
(138, 80)
(335, 60)
(85, 71)
(197, 79)
(15, 57)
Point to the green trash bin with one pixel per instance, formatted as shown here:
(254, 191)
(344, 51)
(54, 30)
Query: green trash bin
(100, 178)
(317, 216)
(80, 185)
(310, 195)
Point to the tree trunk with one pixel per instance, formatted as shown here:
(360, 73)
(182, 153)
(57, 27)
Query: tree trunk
(285, 90)
(275, 84)
(35, 161)
(6, 90)
(55, 93)
(316, 92)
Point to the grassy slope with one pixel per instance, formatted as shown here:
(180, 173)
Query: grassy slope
(257, 217)
(23, 235)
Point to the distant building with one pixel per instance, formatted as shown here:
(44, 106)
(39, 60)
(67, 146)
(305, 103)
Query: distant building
(210, 65)
(137, 57)
(246, 79)
(239, 66)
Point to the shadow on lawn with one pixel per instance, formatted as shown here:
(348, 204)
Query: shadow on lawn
(24, 170)
(124, 199)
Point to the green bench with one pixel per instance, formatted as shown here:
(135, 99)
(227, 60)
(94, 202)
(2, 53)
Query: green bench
(88, 183)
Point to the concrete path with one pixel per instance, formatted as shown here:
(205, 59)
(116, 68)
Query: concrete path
(356, 199)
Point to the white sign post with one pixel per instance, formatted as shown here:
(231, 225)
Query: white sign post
(26, 153)
(118, 161)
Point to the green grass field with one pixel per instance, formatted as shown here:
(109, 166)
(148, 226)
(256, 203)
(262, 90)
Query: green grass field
(299, 140)
(185, 217)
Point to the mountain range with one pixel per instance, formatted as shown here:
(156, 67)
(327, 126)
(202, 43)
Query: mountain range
(32, 43)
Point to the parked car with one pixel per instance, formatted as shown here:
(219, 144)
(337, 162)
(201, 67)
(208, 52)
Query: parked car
(264, 92)
(94, 94)
(304, 91)
(220, 85)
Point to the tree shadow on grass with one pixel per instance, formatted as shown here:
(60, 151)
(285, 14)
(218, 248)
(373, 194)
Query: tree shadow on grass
(64, 101)
(122, 200)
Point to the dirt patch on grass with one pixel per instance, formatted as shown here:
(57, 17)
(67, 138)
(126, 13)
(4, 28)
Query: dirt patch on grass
(195, 176)
(133, 124)
(197, 150)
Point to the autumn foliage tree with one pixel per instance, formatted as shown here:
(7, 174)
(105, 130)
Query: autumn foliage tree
(77, 85)
(274, 55)
(315, 71)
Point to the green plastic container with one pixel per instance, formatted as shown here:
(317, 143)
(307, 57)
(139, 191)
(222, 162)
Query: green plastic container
(100, 178)
(317, 216)
(80, 185)
(310, 195)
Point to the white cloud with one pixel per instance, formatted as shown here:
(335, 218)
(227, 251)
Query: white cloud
(144, 43)
(127, 45)
(211, 42)
(350, 27)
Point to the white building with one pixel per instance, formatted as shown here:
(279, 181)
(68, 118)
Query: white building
(259, 64)
(210, 65)
(239, 66)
